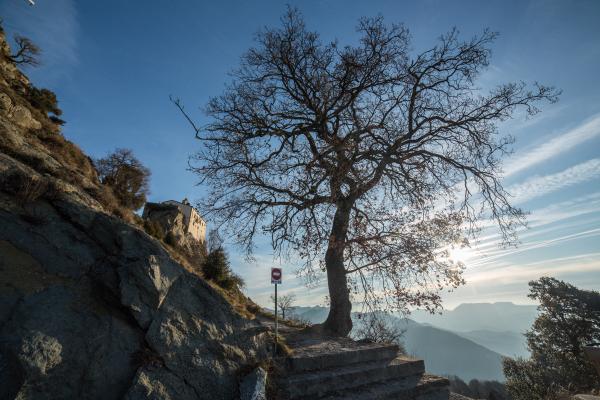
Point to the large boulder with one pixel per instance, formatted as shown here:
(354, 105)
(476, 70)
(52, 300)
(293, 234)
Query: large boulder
(83, 293)
(171, 221)
(91, 307)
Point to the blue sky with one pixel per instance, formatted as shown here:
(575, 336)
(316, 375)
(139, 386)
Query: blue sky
(113, 65)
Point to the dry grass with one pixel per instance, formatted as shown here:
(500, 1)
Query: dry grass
(296, 323)
(236, 298)
(282, 347)
(153, 228)
(25, 188)
(240, 303)
(68, 153)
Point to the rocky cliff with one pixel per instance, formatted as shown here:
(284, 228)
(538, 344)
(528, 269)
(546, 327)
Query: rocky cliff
(169, 221)
(91, 307)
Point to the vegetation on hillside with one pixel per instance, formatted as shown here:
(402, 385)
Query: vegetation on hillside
(569, 319)
(376, 327)
(476, 389)
(45, 101)
(284, 303)
(216, 268)
(126, 175)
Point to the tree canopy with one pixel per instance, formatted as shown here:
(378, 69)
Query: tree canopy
(126, 175)
(569, 318)
(364, 160)
(216, 267)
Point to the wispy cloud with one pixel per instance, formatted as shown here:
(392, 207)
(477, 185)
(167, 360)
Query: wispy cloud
(541, 185)
(493, 258)
(508, 273)
(508, 281)
(533, 155)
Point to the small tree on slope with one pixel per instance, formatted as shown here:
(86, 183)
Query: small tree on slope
(346, 155)
(127, 177)
(284, 302)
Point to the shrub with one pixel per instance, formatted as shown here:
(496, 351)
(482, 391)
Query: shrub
(153, 228)
(68, 154)
(216, 268)
(56, 120)
(377, 327)
(127, 177)
(44, 100)
(568, 319)
(476, 389)
(25, 188)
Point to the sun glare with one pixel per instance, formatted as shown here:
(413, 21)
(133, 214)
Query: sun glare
(460, 254)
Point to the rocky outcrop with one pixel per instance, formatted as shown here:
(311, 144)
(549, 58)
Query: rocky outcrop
(253, 386)
(171, 221)
(91, 307)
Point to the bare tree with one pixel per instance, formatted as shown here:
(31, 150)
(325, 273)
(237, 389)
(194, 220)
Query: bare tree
(215, 241)
(284, 302)
(364, 160)
(27, 52)
(378, 327)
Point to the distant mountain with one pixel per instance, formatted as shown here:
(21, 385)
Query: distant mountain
(315, 314)
(497, 317)
(507, 343)
(444, 352)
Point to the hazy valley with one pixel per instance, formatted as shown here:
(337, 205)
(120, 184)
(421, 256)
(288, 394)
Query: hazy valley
(468, 341)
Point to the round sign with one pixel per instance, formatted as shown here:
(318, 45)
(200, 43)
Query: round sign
(276, 273)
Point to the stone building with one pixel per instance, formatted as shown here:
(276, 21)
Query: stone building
(193, 224)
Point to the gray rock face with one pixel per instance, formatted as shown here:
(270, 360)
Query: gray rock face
(82, 293)
(171, 220)
(92, 307)
(253, 386)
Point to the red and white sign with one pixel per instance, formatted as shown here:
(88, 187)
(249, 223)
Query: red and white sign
(276, 275)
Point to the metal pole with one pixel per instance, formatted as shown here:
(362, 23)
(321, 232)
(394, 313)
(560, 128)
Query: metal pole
(276, 320)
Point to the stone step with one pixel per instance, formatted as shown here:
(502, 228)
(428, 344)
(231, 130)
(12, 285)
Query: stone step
(319, 383)
(425, 387)
(313, 361)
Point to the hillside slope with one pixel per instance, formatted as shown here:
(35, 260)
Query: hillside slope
(507, 343)
(446, 353)
(91, 307)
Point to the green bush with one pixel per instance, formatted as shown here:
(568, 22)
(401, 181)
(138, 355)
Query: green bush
(126, 176)
(216, 267)
(153, 228)
(568, 319)
(44, 100)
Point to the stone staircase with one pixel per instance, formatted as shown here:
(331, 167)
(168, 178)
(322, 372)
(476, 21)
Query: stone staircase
(336, 369)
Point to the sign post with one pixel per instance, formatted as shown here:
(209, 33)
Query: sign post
(276, 280)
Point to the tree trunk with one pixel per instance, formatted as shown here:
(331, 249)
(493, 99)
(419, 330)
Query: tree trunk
(338, 321)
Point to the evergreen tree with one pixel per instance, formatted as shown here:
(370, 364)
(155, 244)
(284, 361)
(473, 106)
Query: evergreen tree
(569, 319)
(216, 268)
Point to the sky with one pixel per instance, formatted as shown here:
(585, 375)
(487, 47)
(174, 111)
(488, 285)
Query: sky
(114, 64)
